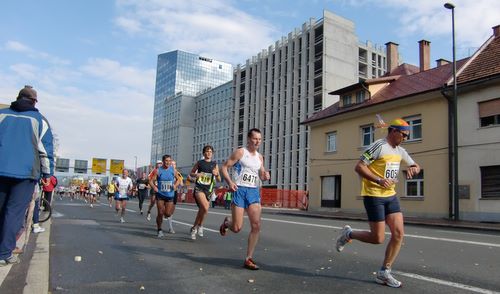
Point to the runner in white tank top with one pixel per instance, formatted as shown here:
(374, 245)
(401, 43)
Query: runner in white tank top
(248, 171)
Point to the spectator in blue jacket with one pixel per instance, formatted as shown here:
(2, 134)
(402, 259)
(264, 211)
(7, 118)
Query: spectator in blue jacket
(26, 155)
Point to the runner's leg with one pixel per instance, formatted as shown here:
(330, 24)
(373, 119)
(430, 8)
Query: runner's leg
(396, 225)
(254, 213)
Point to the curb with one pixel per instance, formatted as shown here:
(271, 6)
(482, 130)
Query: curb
(37, 278)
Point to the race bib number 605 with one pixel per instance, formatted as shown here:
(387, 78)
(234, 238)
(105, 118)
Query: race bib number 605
(391, 170)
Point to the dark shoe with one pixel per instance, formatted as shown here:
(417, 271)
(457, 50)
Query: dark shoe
(250, 264)
(223, 227)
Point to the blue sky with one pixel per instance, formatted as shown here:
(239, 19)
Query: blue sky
(93, 62)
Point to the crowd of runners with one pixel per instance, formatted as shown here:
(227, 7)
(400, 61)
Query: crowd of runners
(378, 168)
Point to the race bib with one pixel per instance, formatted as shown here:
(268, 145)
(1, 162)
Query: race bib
(205, 179)
(142, 186)
(122, 195)
(391, 170)
(249, 179)
(123, 191)
(165, 186)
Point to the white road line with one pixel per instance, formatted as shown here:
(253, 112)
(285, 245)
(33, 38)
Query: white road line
(446, 283)
(409, 275)
(339, 228)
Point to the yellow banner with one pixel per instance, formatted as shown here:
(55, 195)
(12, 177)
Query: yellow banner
(116, 166)
(98, 165)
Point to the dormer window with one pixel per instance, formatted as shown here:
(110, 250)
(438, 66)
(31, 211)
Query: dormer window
(346, 100)
(360, 96)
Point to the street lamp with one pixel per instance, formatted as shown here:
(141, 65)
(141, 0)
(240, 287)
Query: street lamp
(453, 138)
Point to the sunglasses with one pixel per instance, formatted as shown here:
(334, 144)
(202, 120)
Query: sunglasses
(405, 135)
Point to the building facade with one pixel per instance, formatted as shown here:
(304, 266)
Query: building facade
(213, 122)
(180, 75)
(288, 82)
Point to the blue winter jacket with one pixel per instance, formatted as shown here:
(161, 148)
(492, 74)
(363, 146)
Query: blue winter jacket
(26, 142)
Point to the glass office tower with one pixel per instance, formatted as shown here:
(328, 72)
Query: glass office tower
(183, 74)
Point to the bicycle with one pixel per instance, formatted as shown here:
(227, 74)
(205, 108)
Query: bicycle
(45, 210)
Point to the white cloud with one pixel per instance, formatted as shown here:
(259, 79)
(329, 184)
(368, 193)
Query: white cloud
(34, 54)
(214, 28)
(16, 46)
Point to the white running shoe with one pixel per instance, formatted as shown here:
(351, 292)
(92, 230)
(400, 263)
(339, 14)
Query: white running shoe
(193, 233)
(343, 238)
(122, 220)
(160, 234)
(38, 229)
(148, 217)
(384, 277)
(110, 205)
(200, 231)
(91, 205)
(171, 231)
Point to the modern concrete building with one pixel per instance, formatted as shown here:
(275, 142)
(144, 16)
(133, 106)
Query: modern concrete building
(213, 122)
(180, 76)
(290, 81)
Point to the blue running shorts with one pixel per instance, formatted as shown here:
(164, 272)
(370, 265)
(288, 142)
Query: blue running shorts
(245, 196)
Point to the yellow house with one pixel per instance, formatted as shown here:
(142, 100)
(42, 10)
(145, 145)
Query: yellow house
(341, 132)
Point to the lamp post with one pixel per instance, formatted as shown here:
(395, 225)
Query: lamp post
(453, 140)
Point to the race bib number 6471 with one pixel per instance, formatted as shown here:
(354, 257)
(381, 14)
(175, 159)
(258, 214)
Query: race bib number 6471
(249, 179)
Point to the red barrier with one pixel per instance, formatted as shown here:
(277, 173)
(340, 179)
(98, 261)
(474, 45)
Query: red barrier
(269, 197)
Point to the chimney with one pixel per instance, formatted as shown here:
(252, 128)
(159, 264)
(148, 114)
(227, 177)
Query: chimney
(391, 50)
(424, 54)
(441, 61)
(496, 31)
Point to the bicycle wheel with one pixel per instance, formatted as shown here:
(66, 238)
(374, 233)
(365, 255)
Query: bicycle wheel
(45, 210)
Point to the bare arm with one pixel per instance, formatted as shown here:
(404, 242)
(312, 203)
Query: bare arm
(233, 159)
(363, 170)
(194, 170)
(264, 175)
(152, 181)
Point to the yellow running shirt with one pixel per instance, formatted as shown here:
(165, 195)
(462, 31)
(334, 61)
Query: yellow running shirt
(383, 160)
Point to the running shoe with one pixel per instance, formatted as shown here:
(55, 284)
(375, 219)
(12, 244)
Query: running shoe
(160, 234)
(148, 217)
(343, 238)
(141, 212)
(250, 264)
(193, 233)
(38, 229)
(200, 231)
(91, 205)
(171, 231)
(223, 227)
(122, 220)
(109, 204)
(384, 277)
(10, 260)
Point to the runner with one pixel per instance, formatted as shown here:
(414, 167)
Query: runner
(204, 171)
(142, 189)
(152, 199)
(248, 169)
(93, 190)
(164, 183)
(178, 176)
(379, 168)
(111, 192)
(123, 186)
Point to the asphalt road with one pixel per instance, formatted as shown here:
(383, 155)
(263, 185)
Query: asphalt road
(296, 255)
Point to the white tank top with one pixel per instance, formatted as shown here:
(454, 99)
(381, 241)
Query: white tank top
(246, 170)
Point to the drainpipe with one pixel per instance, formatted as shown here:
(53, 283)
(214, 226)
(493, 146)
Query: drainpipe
(450, 156)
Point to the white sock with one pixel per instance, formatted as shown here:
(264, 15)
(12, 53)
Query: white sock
(169, 221)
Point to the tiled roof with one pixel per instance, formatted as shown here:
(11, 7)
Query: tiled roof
(485, 64)
(404, 69)
(404, 86)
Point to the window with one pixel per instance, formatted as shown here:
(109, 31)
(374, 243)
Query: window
(415, 123)
(367, 135)
(360, 96)
(415, 187)
(489, 112)
(330, 191)
(490, 181)
(331, 142)
(346, 100)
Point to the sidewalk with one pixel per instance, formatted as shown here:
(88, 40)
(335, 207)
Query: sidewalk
(490, 226)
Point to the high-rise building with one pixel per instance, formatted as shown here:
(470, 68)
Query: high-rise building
(213, 120)
(180, 76)
(283, 85)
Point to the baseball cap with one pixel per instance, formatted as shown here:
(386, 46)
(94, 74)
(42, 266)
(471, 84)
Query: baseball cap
(159, 161)
(399, 124)
(27, 92)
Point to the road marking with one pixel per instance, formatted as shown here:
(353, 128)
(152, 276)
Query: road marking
(190, 225)
(339, 228)
(446, 283)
